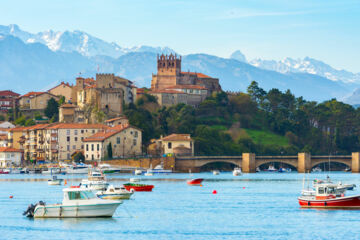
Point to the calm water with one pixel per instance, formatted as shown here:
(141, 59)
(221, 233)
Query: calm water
(252, 206)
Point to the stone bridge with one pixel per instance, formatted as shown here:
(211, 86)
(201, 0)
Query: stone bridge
(303, 162)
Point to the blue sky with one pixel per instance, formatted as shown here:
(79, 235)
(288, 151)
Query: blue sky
(269, 29)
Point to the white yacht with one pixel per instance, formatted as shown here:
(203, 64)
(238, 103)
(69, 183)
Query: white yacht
(95, 181)
(51, 170)
(78, 169)
(237, 172)
(115, 193)
(77, 202)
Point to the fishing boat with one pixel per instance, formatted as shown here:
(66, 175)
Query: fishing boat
(137, 187)
(216, 172)
(4, 171)
(271, 168)
(329, 195)
(78, 169)
(160, 169)
(237, 172)
(95, 181)
(107, 168)
(282, 170)
(138, 172)
(115, 193)
(77, 202)
(195, 181)
(55, 181)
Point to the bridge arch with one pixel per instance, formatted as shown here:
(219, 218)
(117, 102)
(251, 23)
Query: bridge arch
(204, 163)
(317, 162)
(263, 162)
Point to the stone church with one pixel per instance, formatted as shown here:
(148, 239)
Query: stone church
(172, 86)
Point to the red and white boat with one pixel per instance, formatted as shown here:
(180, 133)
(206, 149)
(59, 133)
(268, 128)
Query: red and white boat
(138, 187)
(4, 171)
(329, 195)
(195, 181)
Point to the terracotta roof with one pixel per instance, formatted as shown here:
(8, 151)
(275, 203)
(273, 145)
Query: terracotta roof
(9, 93)
(5, 129)
(3, 137)
(140, 90)
(78, 126)
(199, 75)
(177, 137)
(114, 119)
(35, 94)
(167, 91)
(102, 136)
(62, 83)
(8, 149)
(187, 87)
(91, 86)
(19, 129)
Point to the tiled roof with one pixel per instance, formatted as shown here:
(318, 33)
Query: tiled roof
(8, 149)
(177, 137)
(187, 87)
(102, 136)
(31, 94)
(114, 119)
(62, 83)
(9, 93)
(167, 91)
(78, 126)
(3, 137)
(199, 75)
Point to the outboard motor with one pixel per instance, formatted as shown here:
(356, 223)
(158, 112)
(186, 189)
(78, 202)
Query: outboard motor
(31, 208)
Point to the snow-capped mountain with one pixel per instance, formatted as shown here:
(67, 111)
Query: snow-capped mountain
(307, 65)
(77, 41)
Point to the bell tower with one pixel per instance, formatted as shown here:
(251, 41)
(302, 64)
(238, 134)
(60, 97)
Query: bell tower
(168, 65)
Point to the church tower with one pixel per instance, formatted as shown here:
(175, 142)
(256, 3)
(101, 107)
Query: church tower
(168, 65)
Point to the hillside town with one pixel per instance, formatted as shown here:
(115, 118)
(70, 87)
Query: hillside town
(85, 121)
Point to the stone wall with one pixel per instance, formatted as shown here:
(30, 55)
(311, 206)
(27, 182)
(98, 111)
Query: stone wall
(169, 162)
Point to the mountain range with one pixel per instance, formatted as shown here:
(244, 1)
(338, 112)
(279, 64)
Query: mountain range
(34, 62)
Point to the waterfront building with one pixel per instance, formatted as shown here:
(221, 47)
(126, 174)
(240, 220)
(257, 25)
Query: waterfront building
(63, 89)
(172, 86)
(117, 121)
(125, 141)
(8, 100)
(174, 144)
(69, 113)
(9, 157)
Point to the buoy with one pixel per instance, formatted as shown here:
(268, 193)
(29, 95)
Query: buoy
(201, 185)
(65, 182)
(214, 192)
(243, 187)
(11, 196)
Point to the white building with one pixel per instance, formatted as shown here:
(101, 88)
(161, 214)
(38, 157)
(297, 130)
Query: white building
(9, 157)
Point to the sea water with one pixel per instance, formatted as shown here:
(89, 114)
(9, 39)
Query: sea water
(251, 206)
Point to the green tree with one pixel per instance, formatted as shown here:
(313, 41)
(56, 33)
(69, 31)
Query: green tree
(52, 108)
(20, 120)
(79, 157)
(29, 122)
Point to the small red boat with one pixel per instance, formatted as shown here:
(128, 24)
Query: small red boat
(4, 171)
(138, 187)
(329, 195)
(195, 181)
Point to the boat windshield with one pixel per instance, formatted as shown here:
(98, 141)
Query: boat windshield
(81, 195)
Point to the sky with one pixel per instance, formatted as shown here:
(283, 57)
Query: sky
(327, 30)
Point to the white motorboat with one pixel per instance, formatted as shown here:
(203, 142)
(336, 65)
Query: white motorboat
(316, 169)
(149, 173)
(271, 168)
(133, 180)
(216, 172)
(55, 181)
(237, 172)
(138, 172)
(107, 168)
(115, 193)
(78, 169)
(160, 169)
(258, 169)
(77, 203)
(52, 170)
(95, 181)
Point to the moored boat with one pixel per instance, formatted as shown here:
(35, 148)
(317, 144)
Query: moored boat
(237, 172)
(316, 169)
(329, 195)
(137, 187)
(77, 203)
(4, 171)
(138, 172)
(115, 193)
(160, 169)
(216, 172)
(195, 181)
(271, 168)
(55, 181)
(95, 181)
(149, 173)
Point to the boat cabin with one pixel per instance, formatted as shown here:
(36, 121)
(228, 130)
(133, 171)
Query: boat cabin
(328, 191)
(76, 194)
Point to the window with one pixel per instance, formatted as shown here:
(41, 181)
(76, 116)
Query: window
(92, 156)
(131, 132)
(169, 145)
(68, 156)
(82, 146)
(321, 191)
(98, 147)
(87, 156)
(75, 139)
(92, 147)
(82, 138)
(134, 142)
(74, 147)
(76, 131)
(68, 147)
(87, 147)
(93, 131)
(82, 131)
(67, 132)
(136, 134)
(118, 140)
(68, 139)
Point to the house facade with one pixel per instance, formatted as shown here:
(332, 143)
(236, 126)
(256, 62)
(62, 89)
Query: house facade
(9, 157)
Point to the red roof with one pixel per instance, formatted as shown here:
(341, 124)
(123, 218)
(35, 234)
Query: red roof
(167, 91)
(177, 137)
(187, 87)
(199, 75)
(62, 83)
(114, 119)
(8, 93)
(78, 126)
(31, 94)
(101, 136)
(8, 149)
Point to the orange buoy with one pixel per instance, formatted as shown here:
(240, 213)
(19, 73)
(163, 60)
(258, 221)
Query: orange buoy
(65, 182)
(243, 187)
(11, 196)
(214, 192)
(201, 185)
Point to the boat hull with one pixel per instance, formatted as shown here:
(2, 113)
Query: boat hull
(55, 182)
(120, 196)
(196, 181)
(340, 202)
(139, 188)
(73, 211)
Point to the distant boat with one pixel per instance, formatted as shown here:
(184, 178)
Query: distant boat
(149, 172)
(95, 181)
(138, 187)
(160, 169)
(237, 172)
(115, 193)
(271, 168)
(216, 172)
(281, 170)
(4, 171)
(195, 181)
(316, 169)
(138, 172)
(347, 169)
(55, 181)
